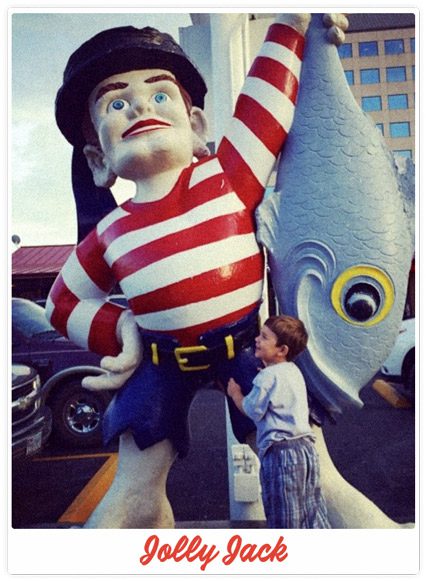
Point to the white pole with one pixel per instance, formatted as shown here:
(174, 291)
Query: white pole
(228, 65)
(230, 60)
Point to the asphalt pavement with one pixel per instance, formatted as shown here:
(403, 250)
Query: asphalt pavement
(374, 449)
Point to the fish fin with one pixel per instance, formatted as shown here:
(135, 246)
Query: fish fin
(267, 220)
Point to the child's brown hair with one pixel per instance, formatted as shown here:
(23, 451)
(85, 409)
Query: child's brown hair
(289, 331)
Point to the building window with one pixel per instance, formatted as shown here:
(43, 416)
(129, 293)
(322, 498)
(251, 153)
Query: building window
(413, 44)
(413, 72)
(395, 74)
(349, 77)
(398, 101)
(381, 128)
(403, 152)
(401, 129)
(370, 76)
(371, 103)
(394, 46)
(345, 50)
(368, 48)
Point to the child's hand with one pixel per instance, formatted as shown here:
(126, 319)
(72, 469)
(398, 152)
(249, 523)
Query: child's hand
(235, 393)
(233, 388)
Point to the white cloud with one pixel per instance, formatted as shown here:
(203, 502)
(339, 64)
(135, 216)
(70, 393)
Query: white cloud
(42, 205)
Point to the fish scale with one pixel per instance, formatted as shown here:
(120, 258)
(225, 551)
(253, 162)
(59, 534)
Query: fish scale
(338, 239)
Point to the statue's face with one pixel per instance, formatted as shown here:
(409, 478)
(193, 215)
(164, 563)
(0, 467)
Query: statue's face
(140, 116)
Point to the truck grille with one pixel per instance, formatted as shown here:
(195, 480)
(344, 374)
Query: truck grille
(25, 400)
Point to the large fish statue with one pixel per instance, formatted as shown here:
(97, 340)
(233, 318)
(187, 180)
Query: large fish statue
(337, 232)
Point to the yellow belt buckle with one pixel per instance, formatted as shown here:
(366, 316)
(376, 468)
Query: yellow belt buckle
(154, 352)
(182, 361)
(230, 348)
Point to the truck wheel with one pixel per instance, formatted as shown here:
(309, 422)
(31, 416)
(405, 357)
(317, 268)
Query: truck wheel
(77, 415)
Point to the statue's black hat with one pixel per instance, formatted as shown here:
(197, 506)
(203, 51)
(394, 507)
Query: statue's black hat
(114, 51)
(110, 52)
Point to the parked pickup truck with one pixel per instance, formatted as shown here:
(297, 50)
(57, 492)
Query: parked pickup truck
(31, 419)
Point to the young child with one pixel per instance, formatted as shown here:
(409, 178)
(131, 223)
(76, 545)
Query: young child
(278, 405)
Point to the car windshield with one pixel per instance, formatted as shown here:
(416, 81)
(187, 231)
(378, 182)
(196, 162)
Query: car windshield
(29, 318)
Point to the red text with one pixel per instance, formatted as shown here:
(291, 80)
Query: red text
(251, 552)
(190, 550)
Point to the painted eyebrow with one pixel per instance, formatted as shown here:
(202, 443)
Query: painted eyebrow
(114, 86)
(158, 78)
(108, 88)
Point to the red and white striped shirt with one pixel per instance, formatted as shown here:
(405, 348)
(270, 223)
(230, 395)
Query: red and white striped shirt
(189, 262)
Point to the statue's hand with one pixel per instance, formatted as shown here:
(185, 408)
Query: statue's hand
(118, 369)
(336, 24)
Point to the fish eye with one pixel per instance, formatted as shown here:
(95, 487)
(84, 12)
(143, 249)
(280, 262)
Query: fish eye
(117, 105)
(161, 97)
(363, 295)
(362, 301)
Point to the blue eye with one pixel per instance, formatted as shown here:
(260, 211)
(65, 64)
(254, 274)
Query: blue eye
(161, 97)
(118, 105)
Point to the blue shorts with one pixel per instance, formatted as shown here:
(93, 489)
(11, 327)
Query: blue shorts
(154, 402)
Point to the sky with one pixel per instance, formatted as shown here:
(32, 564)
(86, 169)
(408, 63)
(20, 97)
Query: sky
(42, 203)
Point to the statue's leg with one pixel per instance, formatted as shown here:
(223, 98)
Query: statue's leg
(137, 497)
(347, 507)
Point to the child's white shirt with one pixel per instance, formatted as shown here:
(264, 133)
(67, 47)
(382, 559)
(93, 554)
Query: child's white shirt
(278, 405)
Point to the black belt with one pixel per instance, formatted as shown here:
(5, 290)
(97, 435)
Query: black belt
(199, 357)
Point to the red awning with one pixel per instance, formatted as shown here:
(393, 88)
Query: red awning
(40, 259)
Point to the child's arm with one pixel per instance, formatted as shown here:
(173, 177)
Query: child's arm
(235, 393)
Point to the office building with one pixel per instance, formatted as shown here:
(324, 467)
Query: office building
(378, 57)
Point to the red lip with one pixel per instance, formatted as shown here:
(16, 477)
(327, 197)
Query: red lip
(153, 123)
